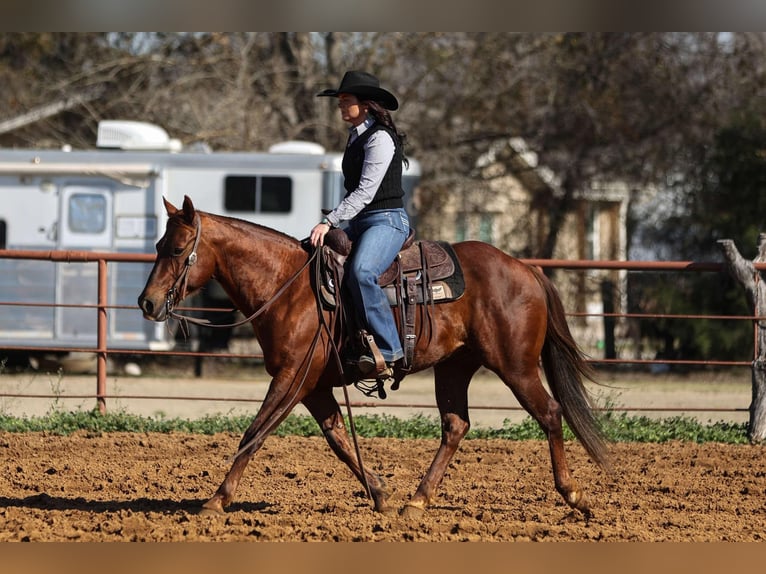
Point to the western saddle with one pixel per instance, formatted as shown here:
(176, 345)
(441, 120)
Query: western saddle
(423, 273)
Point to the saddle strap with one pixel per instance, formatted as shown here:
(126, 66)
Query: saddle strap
(427, 293)
(370, 343)
(408, 335)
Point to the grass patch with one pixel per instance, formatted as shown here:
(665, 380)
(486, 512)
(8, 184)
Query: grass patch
(617, 428)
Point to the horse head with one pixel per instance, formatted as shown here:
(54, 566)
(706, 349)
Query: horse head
(178, 270)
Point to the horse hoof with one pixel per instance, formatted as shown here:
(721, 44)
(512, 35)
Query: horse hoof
(579, 501)
(386, 510)
(211, 508)
(412, 512)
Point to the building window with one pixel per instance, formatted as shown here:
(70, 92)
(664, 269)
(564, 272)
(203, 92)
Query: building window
(478, 226)
(591, 246)
(461, 227)
(486, 225)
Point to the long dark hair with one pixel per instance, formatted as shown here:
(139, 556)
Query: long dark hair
(382, 115)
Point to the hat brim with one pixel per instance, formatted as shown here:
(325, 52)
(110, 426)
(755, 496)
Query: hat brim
(384, 97)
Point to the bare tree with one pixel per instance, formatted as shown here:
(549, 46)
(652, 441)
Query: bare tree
(752, 282)
(632, 106)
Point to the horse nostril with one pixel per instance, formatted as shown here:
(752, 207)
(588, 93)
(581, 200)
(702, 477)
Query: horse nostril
(147, 306)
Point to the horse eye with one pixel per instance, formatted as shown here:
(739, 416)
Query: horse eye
(178, 251)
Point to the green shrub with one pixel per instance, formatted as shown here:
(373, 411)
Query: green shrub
(617, 428)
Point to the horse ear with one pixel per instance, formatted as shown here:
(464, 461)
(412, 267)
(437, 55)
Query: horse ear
(188, 208)
(169, 207)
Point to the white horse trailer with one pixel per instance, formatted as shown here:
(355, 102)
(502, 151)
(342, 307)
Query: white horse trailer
(110, 199)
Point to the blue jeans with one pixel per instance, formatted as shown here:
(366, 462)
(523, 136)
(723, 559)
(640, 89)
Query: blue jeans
(378, 236)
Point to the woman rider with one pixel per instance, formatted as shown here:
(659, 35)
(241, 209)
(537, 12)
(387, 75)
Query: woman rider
(373, 207)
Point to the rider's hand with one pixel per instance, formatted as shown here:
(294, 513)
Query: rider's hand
(318, 233)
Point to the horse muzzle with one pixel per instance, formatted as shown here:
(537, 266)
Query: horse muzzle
(152, 310)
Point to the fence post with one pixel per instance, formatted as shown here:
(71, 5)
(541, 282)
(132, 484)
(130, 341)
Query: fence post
(101, 345)
(745, 273)
(607, 296)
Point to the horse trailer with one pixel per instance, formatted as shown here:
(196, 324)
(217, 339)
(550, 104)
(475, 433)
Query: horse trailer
(109, 199)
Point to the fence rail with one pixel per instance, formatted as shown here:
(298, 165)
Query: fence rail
(101, 349)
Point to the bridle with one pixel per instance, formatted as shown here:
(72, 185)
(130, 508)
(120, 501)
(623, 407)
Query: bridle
(177, 291)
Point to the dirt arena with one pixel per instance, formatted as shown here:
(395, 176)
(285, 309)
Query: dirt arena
(148, 487)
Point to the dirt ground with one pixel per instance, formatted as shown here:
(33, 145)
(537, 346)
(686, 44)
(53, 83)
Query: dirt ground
(148, 487)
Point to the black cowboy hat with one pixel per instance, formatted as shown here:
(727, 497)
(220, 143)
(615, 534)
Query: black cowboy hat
(365, 85)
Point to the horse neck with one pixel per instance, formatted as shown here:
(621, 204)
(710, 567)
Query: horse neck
(252, 261)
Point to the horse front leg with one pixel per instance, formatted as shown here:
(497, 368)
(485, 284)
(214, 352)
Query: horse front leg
(225, 493)
(277, 404)
(324, 408)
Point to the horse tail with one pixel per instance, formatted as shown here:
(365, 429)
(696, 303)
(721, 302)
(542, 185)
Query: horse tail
(565, 366)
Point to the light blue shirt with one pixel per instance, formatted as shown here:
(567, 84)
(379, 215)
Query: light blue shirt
(378, 152)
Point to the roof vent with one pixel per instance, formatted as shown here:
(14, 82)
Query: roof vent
(297, 146)
(132, 135)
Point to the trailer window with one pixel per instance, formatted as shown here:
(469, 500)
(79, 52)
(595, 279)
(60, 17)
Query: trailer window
(239, 194)
(252, 194)
(3, 234)
(276, 195)
(87, 213)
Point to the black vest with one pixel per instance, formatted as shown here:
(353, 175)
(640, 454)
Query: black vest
(390, 192)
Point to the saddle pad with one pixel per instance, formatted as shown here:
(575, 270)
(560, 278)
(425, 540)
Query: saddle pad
(435, 255)
(443, 288)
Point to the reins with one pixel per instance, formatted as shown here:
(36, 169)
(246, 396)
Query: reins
(336, 354)
(179, 286)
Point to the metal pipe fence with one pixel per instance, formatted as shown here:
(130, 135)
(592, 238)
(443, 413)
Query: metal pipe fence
(102, 350)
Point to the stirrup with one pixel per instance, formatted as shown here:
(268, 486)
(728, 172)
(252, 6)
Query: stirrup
(366, 365)
(371, 387)
(371, 360)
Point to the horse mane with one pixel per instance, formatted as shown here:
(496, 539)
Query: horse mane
(250, 227)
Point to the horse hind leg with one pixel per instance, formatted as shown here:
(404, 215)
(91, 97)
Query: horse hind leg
(532, 395)
(452, 379)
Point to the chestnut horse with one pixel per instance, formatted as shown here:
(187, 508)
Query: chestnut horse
(509, 319)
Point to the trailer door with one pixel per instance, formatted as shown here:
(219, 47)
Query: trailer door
(85, 224)
(86, 218)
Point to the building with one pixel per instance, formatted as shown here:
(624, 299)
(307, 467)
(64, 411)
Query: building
(507, 202)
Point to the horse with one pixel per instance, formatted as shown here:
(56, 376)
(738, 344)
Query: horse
(509, 320)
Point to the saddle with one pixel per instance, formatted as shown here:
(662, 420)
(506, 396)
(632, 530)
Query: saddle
(422, 274)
